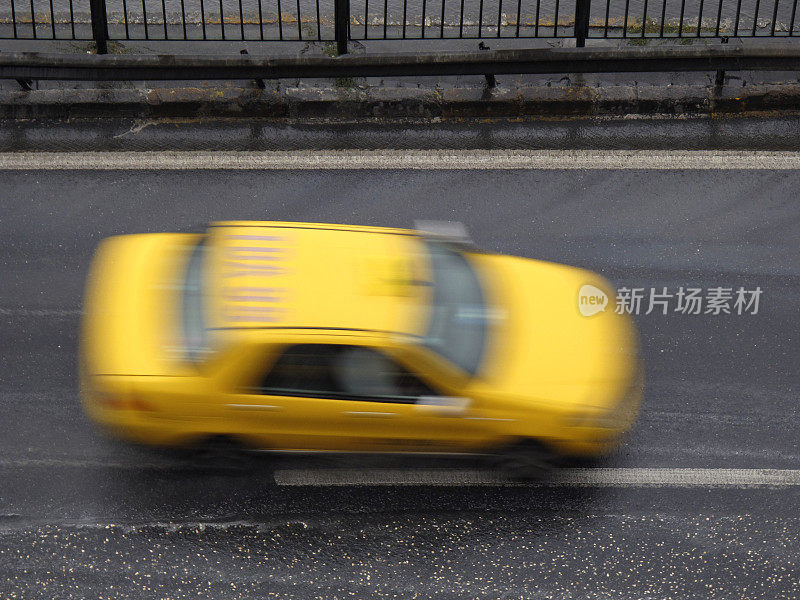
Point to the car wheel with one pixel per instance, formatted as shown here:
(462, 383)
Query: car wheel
(527, 461)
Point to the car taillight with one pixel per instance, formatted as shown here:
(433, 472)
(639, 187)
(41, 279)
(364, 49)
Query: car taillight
(138, 404)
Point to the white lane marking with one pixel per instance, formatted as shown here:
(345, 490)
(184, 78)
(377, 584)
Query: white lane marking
(600, 477)
(40, 312)
(17, 522)
(406, 159)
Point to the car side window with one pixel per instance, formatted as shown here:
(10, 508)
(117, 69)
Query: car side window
(301, 370)
(342, 372)
(366, 373)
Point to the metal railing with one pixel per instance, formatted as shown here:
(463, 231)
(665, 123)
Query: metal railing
(338, 21)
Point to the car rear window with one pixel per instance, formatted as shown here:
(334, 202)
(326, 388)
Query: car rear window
(193, 307)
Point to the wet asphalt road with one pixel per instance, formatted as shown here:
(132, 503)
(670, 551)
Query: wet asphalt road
(86, 517)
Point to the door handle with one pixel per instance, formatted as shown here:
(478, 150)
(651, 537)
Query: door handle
(443, 406)
(368, 414)
(264, 407)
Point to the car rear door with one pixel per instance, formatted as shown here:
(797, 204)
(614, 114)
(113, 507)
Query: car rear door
(285, 401)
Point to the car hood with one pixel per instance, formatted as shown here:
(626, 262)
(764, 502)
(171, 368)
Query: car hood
(544, 347)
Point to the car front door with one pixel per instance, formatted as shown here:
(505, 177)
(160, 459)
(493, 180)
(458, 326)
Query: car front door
(348, 397)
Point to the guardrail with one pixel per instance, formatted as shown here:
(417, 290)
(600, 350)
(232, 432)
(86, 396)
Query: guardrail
(28, 66)
(339, 21)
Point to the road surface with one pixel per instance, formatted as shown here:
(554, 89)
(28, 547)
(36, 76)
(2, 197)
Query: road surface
(689, 507)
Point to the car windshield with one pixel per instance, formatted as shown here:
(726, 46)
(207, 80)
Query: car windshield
(193, 305)
(458, 322)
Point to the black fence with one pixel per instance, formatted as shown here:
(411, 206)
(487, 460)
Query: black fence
(337, 21)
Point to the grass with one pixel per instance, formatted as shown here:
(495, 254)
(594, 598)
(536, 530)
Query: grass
(345, 82)
(329, 49)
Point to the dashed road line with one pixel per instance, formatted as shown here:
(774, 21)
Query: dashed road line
(600, 477)
(626, 477)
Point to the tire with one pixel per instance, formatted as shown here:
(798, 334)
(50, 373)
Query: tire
(528, 460)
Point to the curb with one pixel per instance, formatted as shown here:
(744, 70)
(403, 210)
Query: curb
(345, 104)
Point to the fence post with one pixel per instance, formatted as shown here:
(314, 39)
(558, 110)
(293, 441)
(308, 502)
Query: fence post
(341, 19)
(99, 25)
(581, 22)
(719, 79)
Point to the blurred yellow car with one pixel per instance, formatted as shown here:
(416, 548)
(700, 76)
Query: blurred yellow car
(302, 336)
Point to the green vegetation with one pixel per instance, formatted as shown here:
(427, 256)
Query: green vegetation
(345, 82)
(329, 49)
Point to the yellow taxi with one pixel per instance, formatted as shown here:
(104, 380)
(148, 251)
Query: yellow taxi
(305, 336)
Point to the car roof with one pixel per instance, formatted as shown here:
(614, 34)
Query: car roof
(277, 277)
